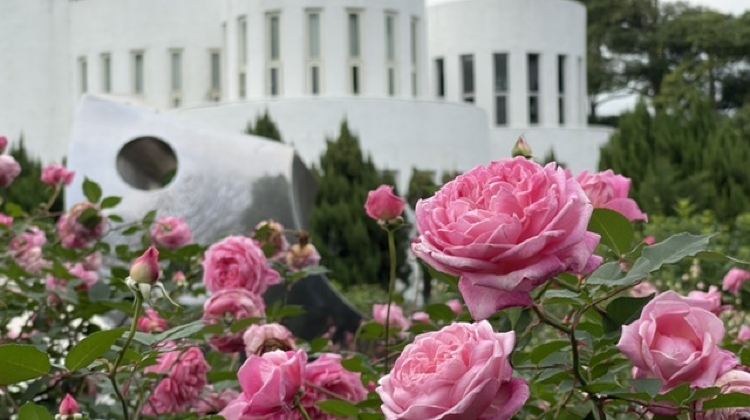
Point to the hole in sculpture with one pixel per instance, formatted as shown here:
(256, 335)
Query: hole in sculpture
(147, 163)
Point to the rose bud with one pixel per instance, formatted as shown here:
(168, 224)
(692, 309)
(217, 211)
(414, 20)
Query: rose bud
(3, 143)
(145, 269)
(521, 148)
(69, 408)
(383, 205)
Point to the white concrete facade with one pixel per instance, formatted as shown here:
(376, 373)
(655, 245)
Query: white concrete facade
(311, 64)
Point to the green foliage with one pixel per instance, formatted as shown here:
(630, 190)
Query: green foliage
(20, 362)
(352, 245)
(91, 348)
(264, 127)
(421, 185)
(28, 191)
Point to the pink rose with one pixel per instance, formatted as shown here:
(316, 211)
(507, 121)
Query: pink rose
(54, 175)
(26, 250)
(325, 377)
(734, 381)
(272, 240)
(6, 220)
(300, 257)
(171, 233)
(186, 375)
(505, 229)
(77, 232)
(649, 240)
(397, 319)
(456, 306)
(9, 170)
(238, 262)
(710, 301)
(383, 205)
(3, 144)
(744, 334)
(676, 341)
(269, 385)
(89, 278)
(236, 305)
(421, 318)
(93, 262)
(260, 339)
(734, 280)
(179, 278)
(213, 402)
(145, 269)
(643, 289)
(69, 407)
(462, 371)
(151, 322)
(608, 190)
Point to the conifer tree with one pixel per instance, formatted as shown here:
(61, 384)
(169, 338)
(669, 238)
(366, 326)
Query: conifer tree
(264, 127)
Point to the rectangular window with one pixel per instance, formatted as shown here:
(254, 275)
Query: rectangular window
(561, 88)
(242, 56)
(273, 55)
(83, 74)
(414, 30)
(533, 87)
(467, 78)
(440, 77)
(313, 52)
(138, 82)
(215, 92)
(176, 76)
(355, 52)
(106, 73)
(501, 89)
(390, 52)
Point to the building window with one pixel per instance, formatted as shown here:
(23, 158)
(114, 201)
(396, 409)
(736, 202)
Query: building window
(175, 74)
(273, 55)
(414, 29)
(242, 56)
(138, 82)
(390, 52)
(440, 77)
(355, 52)
(215, 92)
(467, 78)
(106, 73)
(313, 52)
(533, 81)
(501, 89)
(83, 74)
(561, 88)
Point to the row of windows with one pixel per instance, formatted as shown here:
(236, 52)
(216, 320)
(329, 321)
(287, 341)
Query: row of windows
(137, 74)
(500, 76)
(355, 62)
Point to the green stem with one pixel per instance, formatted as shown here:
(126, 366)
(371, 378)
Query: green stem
(118, 361)
(391, 283)
(301, 409)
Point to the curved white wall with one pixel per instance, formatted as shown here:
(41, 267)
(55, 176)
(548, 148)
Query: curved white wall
(398, 134)
(154, 27)
(334, 48)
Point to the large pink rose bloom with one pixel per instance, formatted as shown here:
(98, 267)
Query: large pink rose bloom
(734, 381)
(461, 372)
(234, 304)
(505, 229)
(238, 263)
(9, 170)
(383, 204)
(397, 318)
(327, 374)
(269, 385)
(171, 233)
(263, 338)
(608, 190)
(676, 341)
(75, 233)
(734, 280)
(54, 175)
(26, 250)
(186, 376)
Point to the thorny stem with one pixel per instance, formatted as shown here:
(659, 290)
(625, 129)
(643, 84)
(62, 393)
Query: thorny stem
(118, 361)
(391, 282)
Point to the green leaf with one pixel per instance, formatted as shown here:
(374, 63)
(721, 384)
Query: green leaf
(354, 364)
(92, 191)
(728, 401)
(440, 312)
(541, 351)
(338, 408)
(562, 296)
(20, 362)
(648, 386)
(115, 218)
(14, 210)
(91, 348)
(289, 311)
(624, 310)
(149, 217)
(616, 231)
(179, 332)
(448, 279)
(111, 202)
(31, 411)
(318, 345)
(219, 376)
(372, 331)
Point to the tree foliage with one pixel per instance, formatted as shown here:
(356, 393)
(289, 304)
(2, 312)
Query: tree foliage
(28, 191)
(264, 127)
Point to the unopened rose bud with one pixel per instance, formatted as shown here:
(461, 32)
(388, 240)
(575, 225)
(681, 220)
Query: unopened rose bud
(145, 269)
(522, 149)
(179, 278)
(383, 205)
(69, 408)
(3, 144)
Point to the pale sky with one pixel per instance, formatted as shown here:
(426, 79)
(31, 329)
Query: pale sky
(727, 6)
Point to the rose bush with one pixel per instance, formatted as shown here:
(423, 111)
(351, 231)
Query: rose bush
(569, 314)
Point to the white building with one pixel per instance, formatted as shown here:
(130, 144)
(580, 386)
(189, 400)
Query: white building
(443, 86)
